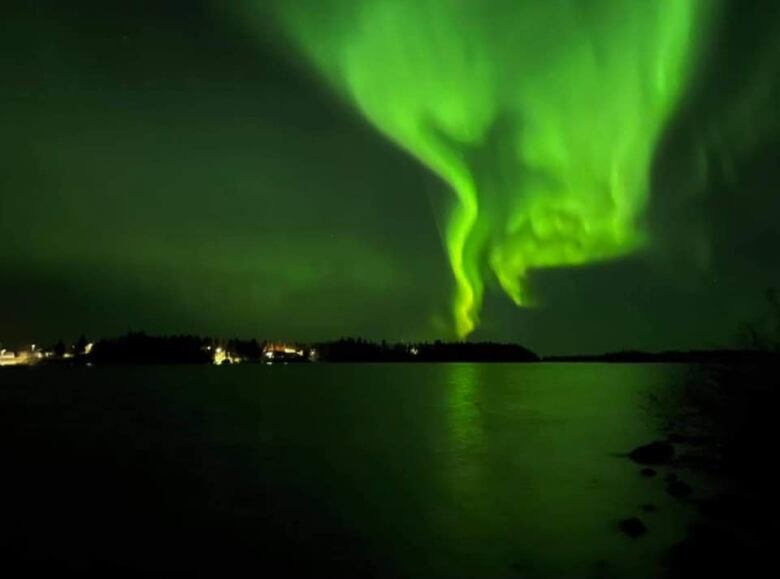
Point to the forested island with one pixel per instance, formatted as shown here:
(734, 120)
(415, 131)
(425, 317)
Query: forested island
(143, 348)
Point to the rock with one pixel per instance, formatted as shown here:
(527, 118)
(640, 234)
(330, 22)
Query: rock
(648, 472)
(658, 452)
(678, 488)
(633, 527)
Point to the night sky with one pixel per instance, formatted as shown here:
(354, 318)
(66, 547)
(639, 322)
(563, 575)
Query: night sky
(577, 179)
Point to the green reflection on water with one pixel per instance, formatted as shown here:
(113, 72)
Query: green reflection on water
(465, 472)
(464, 409)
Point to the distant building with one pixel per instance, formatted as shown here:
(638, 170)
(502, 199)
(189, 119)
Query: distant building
(282, 352)
(7, 358)
(21, 358)
(223, 356)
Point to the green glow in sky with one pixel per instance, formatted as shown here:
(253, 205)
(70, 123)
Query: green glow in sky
(541, 116)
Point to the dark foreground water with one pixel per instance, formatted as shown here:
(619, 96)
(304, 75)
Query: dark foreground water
(459, 470)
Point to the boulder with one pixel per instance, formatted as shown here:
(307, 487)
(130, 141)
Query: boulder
(633, 527)
(658, 452)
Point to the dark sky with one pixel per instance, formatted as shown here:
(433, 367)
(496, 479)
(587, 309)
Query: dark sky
(167, 167)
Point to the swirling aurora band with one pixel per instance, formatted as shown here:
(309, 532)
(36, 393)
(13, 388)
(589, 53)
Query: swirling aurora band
(542, 116)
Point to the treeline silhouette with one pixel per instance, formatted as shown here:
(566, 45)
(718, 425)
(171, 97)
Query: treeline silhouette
(250, 350)
(360, 350)
(142, 348)
(674, 356)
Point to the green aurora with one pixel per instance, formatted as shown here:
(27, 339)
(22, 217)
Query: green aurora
(546, 140)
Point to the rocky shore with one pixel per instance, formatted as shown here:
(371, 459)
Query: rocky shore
(722, 434)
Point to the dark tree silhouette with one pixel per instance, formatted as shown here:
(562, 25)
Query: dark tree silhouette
(81, 346)
(139, 348)
(59, 349)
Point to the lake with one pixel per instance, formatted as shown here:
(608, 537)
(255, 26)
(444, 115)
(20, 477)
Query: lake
(407, 470)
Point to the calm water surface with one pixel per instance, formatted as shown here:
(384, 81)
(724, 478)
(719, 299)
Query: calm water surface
(451, 470)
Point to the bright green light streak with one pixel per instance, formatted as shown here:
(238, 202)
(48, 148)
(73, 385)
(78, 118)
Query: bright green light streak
(543, 116)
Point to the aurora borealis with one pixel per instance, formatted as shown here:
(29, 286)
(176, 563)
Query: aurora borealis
(546, 139)
(408, 169)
